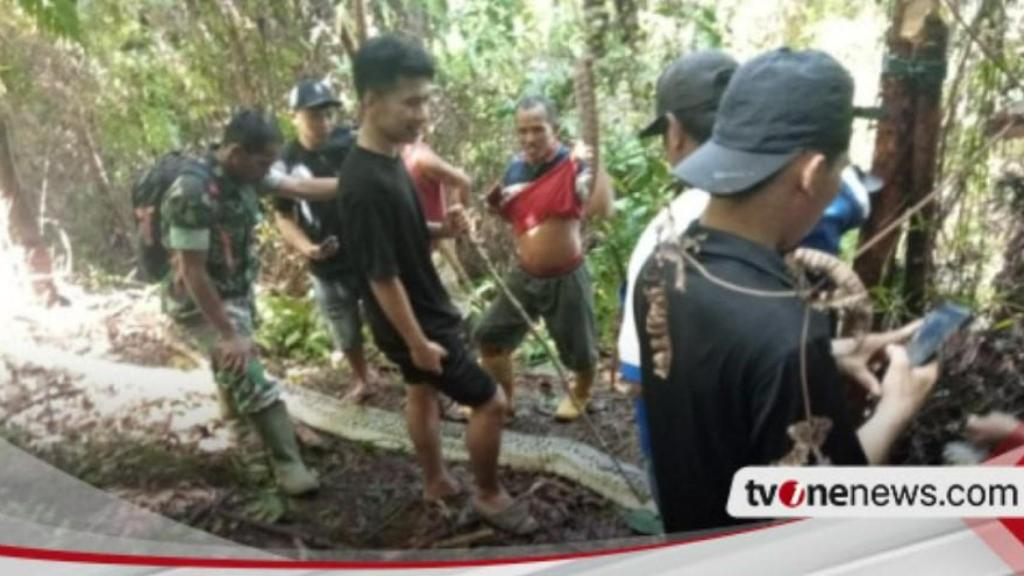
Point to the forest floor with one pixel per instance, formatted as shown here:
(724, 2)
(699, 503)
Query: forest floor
(178, 459)
(981, 372)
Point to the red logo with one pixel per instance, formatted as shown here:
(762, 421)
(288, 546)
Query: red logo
(792, 493)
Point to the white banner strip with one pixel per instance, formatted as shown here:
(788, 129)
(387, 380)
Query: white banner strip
(878, 492)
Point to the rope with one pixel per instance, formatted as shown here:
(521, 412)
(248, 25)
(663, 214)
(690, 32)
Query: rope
(741, 289)
(804, 384)
(946, 185)
(563, 376)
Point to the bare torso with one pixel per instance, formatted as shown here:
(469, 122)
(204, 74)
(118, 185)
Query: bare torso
(551, 247)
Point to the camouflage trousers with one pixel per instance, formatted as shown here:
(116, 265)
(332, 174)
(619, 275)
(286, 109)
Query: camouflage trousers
(249, 392)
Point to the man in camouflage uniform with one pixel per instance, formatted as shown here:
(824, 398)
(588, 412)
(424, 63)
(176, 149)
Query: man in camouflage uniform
(208, 220)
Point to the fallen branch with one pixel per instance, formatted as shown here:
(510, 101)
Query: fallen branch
(386, 521)
(284, 531)
(465, 540)
(45, 399)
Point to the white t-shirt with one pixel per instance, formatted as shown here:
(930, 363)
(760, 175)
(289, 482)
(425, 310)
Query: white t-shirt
(684, 209)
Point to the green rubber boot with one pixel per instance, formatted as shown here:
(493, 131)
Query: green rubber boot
(275, 428)
(225, 406)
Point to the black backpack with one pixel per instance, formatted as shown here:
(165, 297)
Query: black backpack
(151, 257)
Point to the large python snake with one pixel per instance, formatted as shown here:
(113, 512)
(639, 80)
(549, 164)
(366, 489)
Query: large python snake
(569, 459)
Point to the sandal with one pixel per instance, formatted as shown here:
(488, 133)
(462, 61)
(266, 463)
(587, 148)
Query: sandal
(454, 412)
(514, 519)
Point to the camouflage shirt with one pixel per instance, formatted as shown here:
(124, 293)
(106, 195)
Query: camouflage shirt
(218, 216)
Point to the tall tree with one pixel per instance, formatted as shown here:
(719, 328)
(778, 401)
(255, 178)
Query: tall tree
(930, 53)
(907, 139)
(23, 227)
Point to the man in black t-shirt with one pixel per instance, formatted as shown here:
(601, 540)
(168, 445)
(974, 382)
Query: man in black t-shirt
(740, 349)
(412, 319)
(314, 228)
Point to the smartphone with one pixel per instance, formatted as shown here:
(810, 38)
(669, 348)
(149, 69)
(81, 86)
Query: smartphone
(939, 325)
(331, 243)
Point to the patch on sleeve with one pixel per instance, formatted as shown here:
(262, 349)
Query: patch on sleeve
(187, 204)
(180, 238)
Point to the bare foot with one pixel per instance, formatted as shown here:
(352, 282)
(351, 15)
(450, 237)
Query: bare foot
(439, 490)
(359, 394)
(492, 503)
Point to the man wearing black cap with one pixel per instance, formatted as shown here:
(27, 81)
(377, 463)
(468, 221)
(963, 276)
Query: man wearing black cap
(688, 93)
(313, 228)
(734, 385)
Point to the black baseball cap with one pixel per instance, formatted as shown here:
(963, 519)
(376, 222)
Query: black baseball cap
(693, 83)
(777, 105)
(312, 94)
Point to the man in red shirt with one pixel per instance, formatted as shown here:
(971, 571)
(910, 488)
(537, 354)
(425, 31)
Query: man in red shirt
(546, 194)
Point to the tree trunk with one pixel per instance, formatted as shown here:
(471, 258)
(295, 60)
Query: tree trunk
(891, 160)
(927, 123)
(118, 205)
(628, 15)
(595, 26)
(907, 143)
(359, 15)
(22, 223)
(1009, 283)
(248, 93)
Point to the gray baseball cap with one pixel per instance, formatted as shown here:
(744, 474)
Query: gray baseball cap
(693, 83)
(777, 105)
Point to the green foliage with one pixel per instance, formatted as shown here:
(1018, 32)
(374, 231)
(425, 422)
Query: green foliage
(972, 219)
(642, 183)
(144, 76)
(292, 328)
(57, 17)
(889, 302)
(707, 26)
(533, 352)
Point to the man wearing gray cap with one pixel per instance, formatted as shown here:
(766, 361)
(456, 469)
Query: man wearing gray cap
(733, 387)
(688, 93)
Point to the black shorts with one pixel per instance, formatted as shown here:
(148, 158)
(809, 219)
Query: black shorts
(462, 379)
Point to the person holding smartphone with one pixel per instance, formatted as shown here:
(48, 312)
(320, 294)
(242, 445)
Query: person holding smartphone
(746, 364)
(313, 228)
